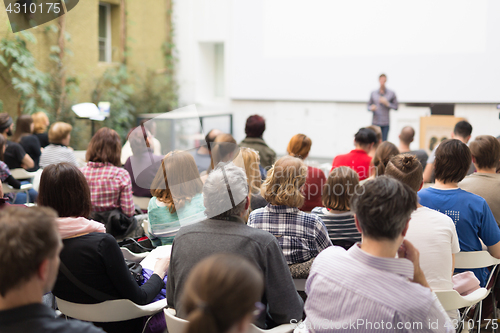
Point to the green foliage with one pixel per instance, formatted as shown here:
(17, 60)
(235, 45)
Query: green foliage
(18, 70)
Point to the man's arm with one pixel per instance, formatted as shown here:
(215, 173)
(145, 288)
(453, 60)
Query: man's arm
(393, 103)
(27, 162)
(494, 250)
(452, 263)
(371, 104)
(410, 252)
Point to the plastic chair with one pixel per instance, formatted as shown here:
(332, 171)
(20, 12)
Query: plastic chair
(20, 173)
(135, 257)
(480, 259)
(178, 325)
(300, 284)
(24, 188)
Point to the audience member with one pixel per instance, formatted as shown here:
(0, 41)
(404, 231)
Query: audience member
(28, 274)
(15, 156)
(299, 146)
(202, 155)
(150, 126)
(225, 195)
(91, 257)
(368, 289)
(462, 132)
(358, 159)
(300, 235)
(6, 176)
(472, 217)
(485, 150)
(431, 232)
(406, 137)
(58, 150)
(143, 164)
(378, 133)
(41, 122)
(337, 215)
(251, 163)
(110, 185)
(254, 129)
(224, 149)
(384, 153)
(221, 295)
(177, 199)
(25, 137)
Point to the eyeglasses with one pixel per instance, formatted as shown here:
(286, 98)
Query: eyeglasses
(259, 308)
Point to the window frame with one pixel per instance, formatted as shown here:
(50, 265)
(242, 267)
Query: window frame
(107, 39)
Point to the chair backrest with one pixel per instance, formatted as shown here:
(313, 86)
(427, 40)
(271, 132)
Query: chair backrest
(142, 202)
(475, 259)
(109, 311)
(20, 173)
(300, 284)
(174, 324)
(452, 300)
(135, 257)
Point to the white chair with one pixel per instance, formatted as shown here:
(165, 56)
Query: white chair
(178, 325)
(20, 173)
(109, 311)
(146, 227)
(480, 259)
(300, 284)
(24, 188)
(142, 202)
(135, 257)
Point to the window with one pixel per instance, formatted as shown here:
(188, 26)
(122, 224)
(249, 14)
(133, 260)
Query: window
(104, 32)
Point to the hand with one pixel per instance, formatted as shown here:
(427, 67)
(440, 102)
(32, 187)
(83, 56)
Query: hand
(373, 107)
(161, 267)
(384, 100)
(410, 252)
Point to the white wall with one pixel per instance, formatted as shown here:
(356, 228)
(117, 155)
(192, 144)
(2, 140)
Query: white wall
(331, 125)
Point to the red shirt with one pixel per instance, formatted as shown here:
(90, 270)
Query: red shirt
(312, 189)
(356, 159)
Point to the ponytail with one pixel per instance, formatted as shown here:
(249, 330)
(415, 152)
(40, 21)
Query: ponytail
(202, 321)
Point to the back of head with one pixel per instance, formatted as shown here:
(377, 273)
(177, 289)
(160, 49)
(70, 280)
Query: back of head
(486, 151)
(378, 132)
(23, 127)
(224, 149)
(251, 162)
(5, 121)
(225, 191)
(299, 146)
(59, 131)
(105, 146)
(138, 139)
(177, 180)
(211, 136)
(220, 292)
(339, 188)
(365, 137)
(453, 159)
(383, 154)
(383, 207)
(64, 188)
(255, 126)
(40, 120)
(28, 236)
(463, 129)
(3, 142)
(407, 169)
(284, 182)
(407, 135)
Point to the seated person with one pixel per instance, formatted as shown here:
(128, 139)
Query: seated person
(299, 146)
(90, 255)
(254, 130)
(29, 274)
(143, 164)
(405, 139)
(337, 215)
(41, 122)
(110, 185)
(358, 159)
(385, 151)
(431, 232)
(300, 235)
(58, 150)
(251, 164)
(470, 213)
(15, 156)
(202, 154)
(222, 294)
(150, 126)
(367, 286)
(225, 195)
(177, 199)
(378, 133)
(25, 137)
(485, 182)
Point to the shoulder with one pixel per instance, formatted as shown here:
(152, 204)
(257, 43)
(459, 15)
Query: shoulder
(317, 211)
(327, 256)
(433, 217)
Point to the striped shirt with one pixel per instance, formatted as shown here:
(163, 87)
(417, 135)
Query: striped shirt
(300, 235)
(353, 291)
(341, 227)
(110, 187)
(56, 153)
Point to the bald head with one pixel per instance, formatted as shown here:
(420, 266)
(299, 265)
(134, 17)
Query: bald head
(407, 135)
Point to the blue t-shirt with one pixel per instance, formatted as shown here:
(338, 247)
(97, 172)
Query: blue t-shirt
(472, 217)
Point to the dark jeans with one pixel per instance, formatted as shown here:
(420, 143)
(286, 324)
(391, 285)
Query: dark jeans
(385, 132)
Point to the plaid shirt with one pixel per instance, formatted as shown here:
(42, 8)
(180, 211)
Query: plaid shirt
(302, 236)
(4, 174)
(110, 187)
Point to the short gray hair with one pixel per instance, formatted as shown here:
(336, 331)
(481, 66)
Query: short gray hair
(225, 191)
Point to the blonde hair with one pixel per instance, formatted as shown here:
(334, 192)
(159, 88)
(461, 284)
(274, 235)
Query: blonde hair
(59, 131)
(183, 181)
(299, 146)
(251, 162)
(284, 182)
(40, 121)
